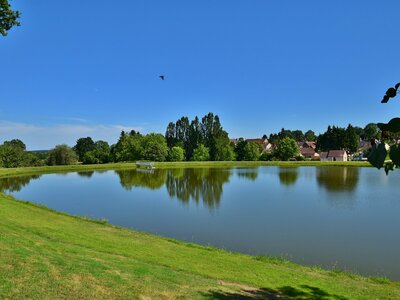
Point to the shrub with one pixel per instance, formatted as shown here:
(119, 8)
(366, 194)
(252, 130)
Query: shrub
(176, 153)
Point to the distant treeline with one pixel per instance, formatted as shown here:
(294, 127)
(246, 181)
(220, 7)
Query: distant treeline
(195, 140)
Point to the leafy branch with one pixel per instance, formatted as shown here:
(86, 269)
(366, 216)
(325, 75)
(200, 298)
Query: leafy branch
(8, 17)
(389, 143)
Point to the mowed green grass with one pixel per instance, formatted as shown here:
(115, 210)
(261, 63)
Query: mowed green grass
(50, 255)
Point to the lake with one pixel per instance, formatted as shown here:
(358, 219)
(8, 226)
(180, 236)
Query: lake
(334, 217)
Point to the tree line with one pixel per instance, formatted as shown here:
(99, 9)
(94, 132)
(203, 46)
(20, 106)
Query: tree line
(187, 140)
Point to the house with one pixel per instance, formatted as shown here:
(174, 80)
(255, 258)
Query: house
(309, 153)
(334, 155)
(306, 144)
(312, 145)
(365, 146)
(265, 144)
(234, 141)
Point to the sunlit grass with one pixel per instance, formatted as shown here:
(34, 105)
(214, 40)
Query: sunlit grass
(51, 255)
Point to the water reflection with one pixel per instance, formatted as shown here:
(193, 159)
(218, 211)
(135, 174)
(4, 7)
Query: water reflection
(338, 179)
(288, 176)
(15, 184)
(152, 179)
(198, 184)
(87, 174)
(250, 174)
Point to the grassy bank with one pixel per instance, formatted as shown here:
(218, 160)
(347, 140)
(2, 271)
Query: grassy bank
(49, 255)
(9, 172)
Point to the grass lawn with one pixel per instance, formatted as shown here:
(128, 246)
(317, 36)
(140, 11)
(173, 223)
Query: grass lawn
(50, 255)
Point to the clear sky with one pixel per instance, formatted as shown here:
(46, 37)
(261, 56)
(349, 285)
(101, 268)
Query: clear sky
(90, 68)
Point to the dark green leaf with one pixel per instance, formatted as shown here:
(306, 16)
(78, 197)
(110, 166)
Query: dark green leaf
(378, 155)
(385, 99)
(392, 126)
(391, 92)
(395, 154)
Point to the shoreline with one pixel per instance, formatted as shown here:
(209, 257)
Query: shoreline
(22, 171)
(208, 272)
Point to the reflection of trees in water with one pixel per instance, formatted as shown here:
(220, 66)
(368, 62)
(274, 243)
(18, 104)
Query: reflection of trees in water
(152, 179)
(87, 174)
(196, 184)
(288, 176)
(184, 184)
(250, 174)
(15, 184)
(338, 179)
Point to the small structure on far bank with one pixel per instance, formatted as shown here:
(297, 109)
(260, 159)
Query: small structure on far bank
(263, 142)
(334, 155)
(147, 165)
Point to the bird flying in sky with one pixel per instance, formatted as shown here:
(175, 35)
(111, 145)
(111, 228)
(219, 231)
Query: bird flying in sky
(162, 77)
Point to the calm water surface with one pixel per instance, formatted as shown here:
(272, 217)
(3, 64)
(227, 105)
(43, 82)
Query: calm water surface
(347, 218)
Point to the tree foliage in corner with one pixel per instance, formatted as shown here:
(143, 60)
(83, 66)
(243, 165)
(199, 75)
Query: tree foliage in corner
(389, 143)
(8, 17)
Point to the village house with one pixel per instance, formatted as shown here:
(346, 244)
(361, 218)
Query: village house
(307, 150)
(365, 146)
(265, 144)
(334, 155)
(234, 141)
(305, 144)
(309, 153)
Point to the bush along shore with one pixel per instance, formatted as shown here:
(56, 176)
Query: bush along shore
(50, 255)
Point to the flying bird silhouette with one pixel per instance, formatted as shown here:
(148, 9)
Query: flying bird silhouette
(162, 77)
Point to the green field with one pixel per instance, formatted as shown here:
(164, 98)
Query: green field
(50, 255)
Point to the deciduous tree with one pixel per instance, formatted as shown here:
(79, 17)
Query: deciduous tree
(287, 148)
(251, 151)
(62, 155)
(82, 146)
(154, 147)
(176, 153)
(201, 153)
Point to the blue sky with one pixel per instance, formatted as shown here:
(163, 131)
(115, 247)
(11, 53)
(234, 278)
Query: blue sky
(90, 68)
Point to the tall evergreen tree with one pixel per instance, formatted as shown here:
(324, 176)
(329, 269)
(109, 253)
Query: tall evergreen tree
(310, 136)
(351, 139)
(170, 134)
(195, 137)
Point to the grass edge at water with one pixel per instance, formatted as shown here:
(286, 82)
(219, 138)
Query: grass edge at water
(293, 275)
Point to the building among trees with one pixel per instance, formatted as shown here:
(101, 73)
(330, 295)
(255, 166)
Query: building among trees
(334, 155)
